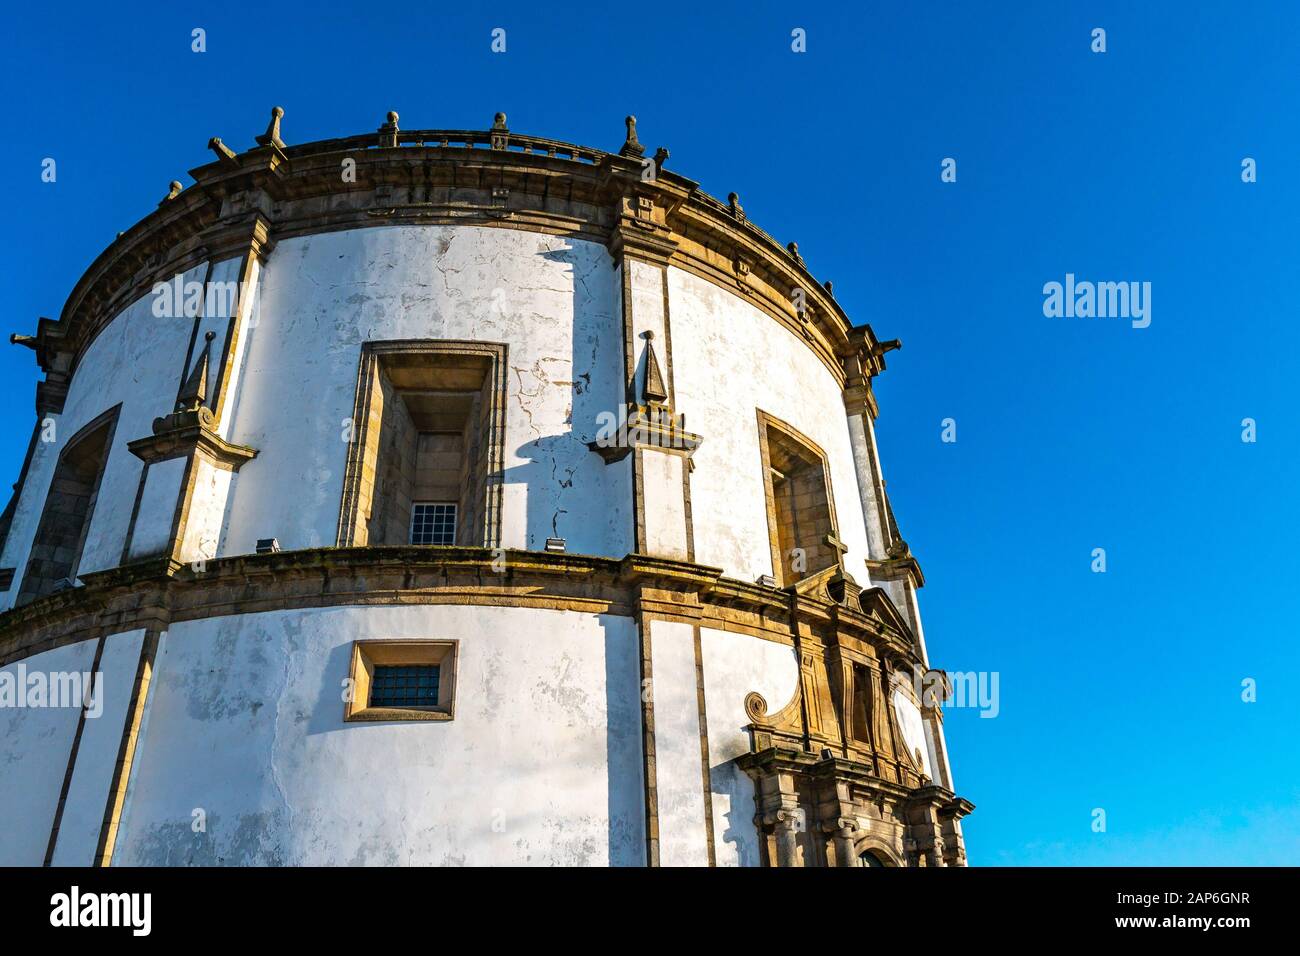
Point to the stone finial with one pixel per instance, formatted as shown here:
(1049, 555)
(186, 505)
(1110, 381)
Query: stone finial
(654, 390)
(224, 153)
(632, 146)
(173, 190)
(388, 132)
(500, 135)
(27, 341)
(272, 135)
(793, 249)
(195, 390)
(737, 210)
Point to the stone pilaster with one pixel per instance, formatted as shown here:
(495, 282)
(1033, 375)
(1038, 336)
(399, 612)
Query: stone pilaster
(186, 479)
(924, 832)
(189, 462)
(780, 819)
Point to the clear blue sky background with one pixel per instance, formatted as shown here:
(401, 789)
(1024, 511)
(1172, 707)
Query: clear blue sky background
(1118, 690)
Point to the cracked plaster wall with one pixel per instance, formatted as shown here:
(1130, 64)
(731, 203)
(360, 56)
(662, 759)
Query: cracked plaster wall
(34, 746)
(541, 765)
(137, 360)
(553, 300)
(734, 665)
(730, 359)
(246, 719)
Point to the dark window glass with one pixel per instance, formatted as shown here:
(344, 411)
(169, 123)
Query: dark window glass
(404, 685)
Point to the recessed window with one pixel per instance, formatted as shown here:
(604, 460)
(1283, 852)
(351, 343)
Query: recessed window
(426, 458)
(801, 518)
(69, 506)
(433, 522)
(402, 680)
(860, 724)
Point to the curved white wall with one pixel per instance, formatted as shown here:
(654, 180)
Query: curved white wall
(138, 361)
(553, 301)
(729, 360)
(735, 665)
(34, 746)
(541, 764)
(912, 727)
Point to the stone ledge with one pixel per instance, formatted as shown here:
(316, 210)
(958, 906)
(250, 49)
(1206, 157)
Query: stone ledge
(159, 591)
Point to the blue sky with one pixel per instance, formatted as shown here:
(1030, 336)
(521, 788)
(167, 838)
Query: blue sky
(1119, 691)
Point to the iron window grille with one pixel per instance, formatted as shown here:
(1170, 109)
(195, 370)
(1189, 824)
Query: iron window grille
(433, 522)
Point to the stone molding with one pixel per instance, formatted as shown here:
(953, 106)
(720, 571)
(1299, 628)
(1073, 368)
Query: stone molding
(159, 591)
(652, 426)
(273, 191)
(197, 437)
(824, 810)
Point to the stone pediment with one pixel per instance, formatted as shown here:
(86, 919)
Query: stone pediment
(876, 604)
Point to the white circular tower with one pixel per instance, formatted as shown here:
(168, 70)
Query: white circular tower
(441, 496)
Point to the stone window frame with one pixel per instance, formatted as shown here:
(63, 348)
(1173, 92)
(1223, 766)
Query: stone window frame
(108, 420)
(367, 654)
(766, 421)
(359, 472)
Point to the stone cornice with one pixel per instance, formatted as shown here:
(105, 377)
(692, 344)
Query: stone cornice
(123, 598)
(186, 439)
(647, 426)
(861, 775)
(893, 569)
(446, 177)
(790, 760)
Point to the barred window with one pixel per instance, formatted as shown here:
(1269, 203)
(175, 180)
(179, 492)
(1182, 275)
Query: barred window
(430, 437)
(405, 686)
(402, 679)
(433, 522)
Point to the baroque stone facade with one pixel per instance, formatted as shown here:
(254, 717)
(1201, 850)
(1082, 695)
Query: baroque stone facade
(492, 500)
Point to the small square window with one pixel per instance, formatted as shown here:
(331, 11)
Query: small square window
(433, 522)
(402, 680)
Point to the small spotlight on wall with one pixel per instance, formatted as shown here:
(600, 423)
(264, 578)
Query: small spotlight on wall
(267, 545)
(766, 580)
(555, 545)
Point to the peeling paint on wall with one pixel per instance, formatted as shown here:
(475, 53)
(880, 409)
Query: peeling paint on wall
(246, 724)
(553, 300)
